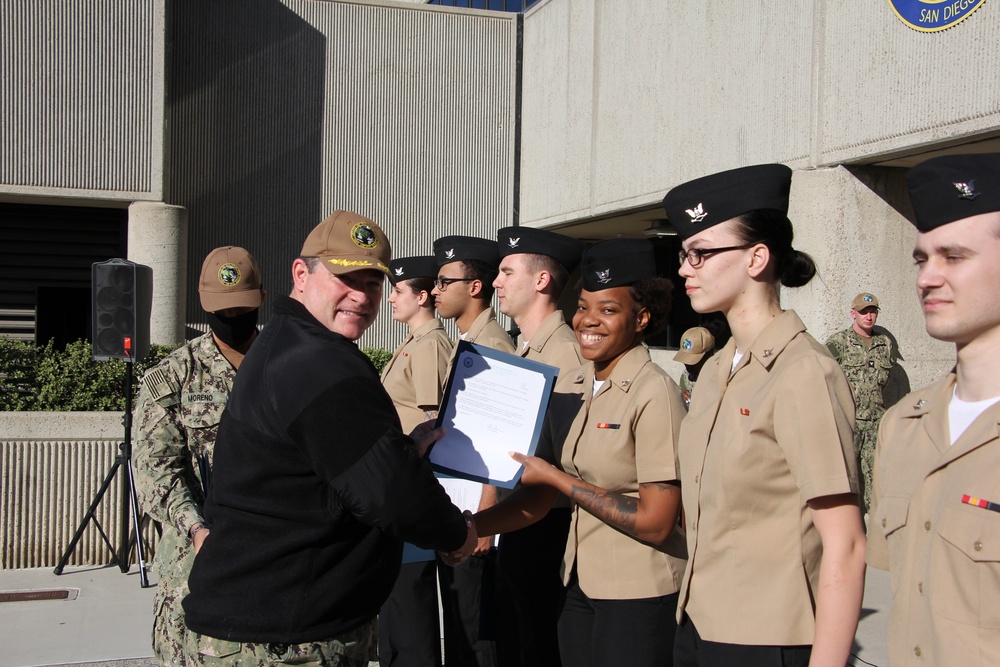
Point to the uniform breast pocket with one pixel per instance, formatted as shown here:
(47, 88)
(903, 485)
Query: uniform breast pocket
(891, 514)
(201, 415)
(965, 566)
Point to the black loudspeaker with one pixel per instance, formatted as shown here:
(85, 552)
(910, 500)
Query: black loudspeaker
(122, 298)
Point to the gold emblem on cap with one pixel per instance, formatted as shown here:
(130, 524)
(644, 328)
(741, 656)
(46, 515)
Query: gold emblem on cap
(229, 274)
(363, 235)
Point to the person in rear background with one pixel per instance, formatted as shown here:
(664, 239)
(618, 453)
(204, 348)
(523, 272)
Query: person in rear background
(409, 635)
(177, 418)
(866, 357)
(535, 266)
(776, 544)
(935, 517)
(315, 485)
(463, 290)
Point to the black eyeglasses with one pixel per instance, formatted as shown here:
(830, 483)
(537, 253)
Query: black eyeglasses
(696, 256)
(442, 283)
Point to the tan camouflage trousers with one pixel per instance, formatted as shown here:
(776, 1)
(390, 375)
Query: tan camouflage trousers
(354, 648)
(865, 438)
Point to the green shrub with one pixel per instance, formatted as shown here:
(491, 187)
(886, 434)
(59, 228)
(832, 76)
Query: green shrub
(43, 378)
(379, 356)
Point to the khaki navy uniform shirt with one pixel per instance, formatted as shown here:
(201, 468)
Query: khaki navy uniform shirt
(486, 331)
(414, 377)
(755, 446)
(943, 553)
(622, 437)
(555, 344)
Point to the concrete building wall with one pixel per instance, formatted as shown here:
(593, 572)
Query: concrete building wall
(81, 99)
(282, 112)
(621, 104)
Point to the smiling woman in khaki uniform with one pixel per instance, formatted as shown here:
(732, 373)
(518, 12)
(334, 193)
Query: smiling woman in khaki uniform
(775, 540)
(409, 635)
(611, 426)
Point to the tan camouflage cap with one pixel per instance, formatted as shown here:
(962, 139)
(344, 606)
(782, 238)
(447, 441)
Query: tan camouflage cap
(349, 242)
(230, 278)
(864, 300)
(695, 344)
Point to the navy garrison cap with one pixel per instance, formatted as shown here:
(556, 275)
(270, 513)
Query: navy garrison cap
(705, 202)
(617, 262)
(949, 188)
(448, 249)
(404, 268)
(564, 249)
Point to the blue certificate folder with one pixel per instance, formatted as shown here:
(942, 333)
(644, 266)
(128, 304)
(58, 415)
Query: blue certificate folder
(494, 403)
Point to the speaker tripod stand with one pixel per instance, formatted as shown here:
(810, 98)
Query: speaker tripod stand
(129, 504)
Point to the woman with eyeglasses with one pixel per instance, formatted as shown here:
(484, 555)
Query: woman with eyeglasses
(409, 635)
(776, 544)
(610, 431)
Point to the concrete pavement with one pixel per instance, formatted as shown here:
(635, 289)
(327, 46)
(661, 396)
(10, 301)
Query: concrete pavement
(109, 619)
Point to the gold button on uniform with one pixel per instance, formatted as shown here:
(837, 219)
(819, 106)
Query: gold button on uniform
(916, 651)
(927, 525)
(920, 587)
(978, 546)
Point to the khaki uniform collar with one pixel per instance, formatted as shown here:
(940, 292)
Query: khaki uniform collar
(544, 332)
(479, 324)
(624, 373)
(768, 345)
(427, 327)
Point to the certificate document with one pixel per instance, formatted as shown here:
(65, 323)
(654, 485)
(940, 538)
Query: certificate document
(494, 403)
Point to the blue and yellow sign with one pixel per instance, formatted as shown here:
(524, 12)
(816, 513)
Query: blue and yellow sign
(933, 15)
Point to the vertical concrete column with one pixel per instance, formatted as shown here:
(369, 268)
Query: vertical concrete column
(157, 237)
(852, 222)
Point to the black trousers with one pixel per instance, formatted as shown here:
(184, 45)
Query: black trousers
(613, 633)
(690, 650)
(530, 591)
(409, 634)
(467, 605)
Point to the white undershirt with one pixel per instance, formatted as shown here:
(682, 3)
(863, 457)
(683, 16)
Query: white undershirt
(961, 414)
(597, 385)
(737, 358)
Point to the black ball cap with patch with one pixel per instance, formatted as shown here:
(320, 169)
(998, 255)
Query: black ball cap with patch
(705, 202)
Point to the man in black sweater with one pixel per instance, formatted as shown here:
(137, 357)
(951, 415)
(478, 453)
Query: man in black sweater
(315, 486)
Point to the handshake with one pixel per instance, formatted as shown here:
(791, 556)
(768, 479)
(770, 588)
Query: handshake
(471, 547)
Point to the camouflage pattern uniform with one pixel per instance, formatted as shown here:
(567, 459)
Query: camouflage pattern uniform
(180, 405)
(867, 371)
(352, 649)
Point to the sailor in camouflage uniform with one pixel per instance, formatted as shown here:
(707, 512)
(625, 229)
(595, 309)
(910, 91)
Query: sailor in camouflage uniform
(697, 345)
(866, 358)
(180, 405)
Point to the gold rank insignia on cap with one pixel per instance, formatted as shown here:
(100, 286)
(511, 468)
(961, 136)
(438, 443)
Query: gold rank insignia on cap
(229, 274)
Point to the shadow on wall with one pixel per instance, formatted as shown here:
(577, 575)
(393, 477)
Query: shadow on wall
(898, 384)
(245, 115)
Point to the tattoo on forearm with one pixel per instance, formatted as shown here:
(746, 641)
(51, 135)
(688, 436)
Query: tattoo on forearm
(616, 510)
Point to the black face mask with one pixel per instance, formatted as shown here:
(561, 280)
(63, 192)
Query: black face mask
(234, 331)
